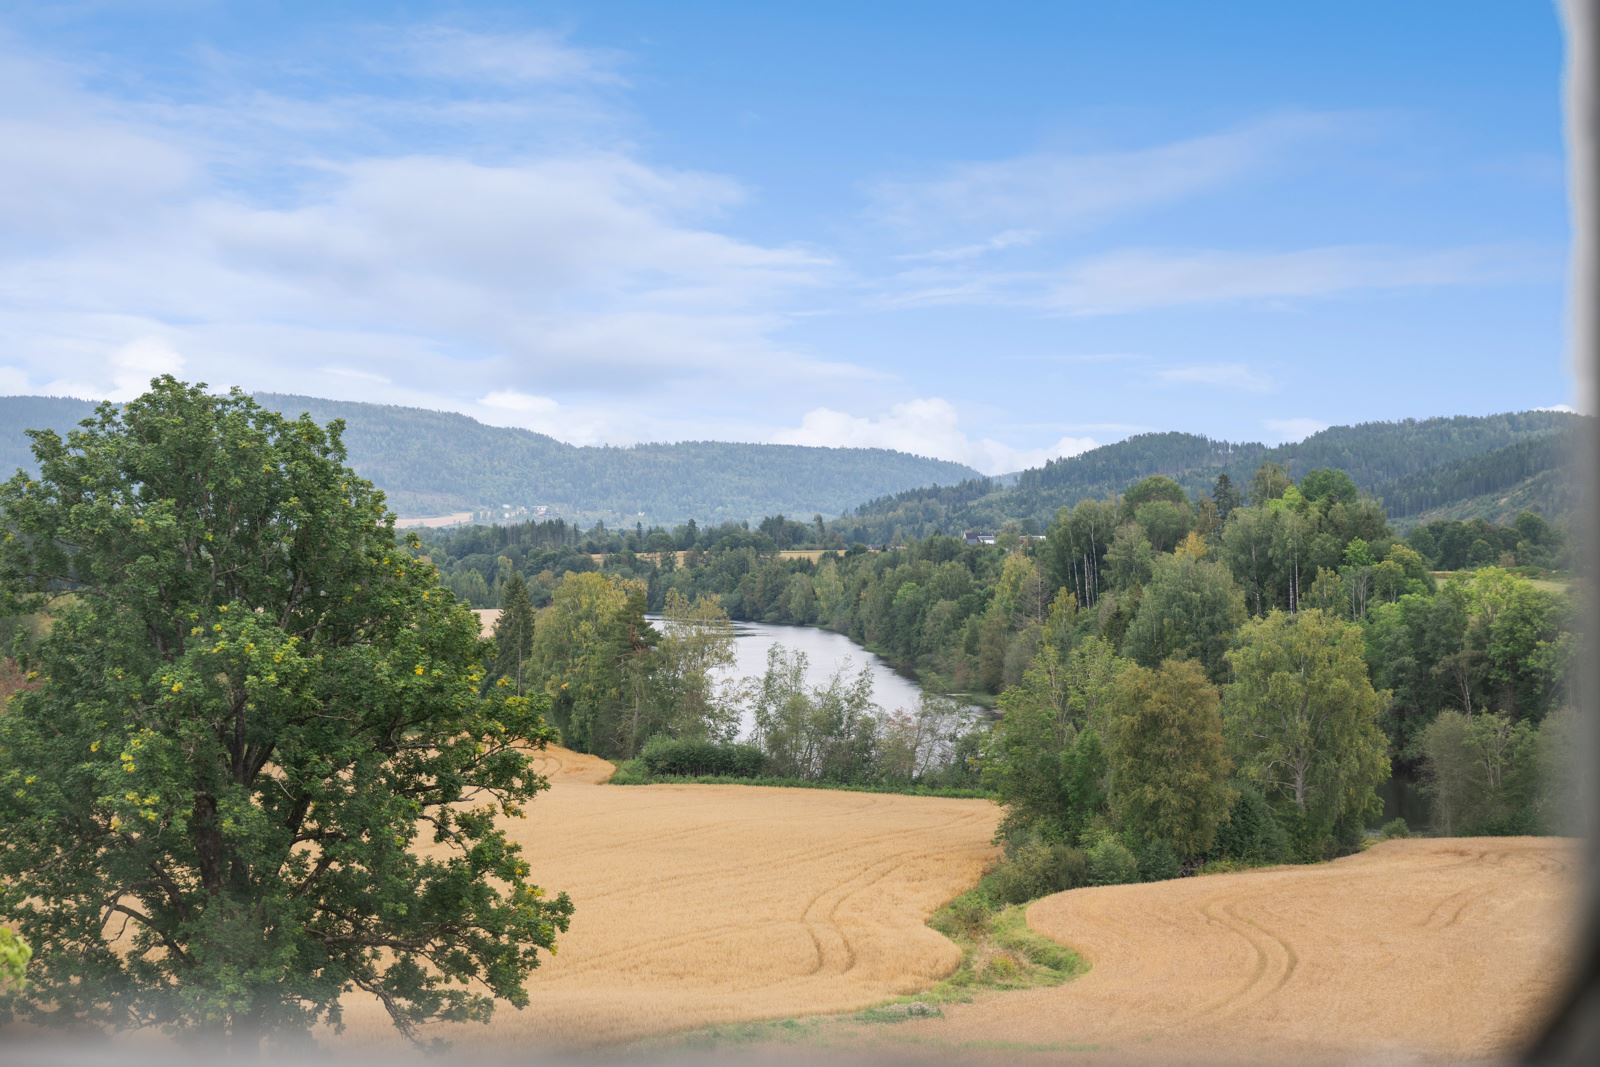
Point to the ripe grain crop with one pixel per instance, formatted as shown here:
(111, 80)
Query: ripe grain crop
(703, 904)
(1444, 950)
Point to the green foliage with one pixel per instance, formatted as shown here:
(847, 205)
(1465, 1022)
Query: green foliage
(1252, 834)
(1269, 482)
(592, 648)
(1045, 757)
(998, 951)
(242, 717)
(1481, 772)
(1035, 868)
(1168, 769)
(1330, 485)
(1302, 721)
(1559, 755)
(665, 757)
(513, 636)
(14, 957)
(1189, 610)
(696, 642)
(1110, 861)
(1156, 859)
(1529, 541)
(1393, 829)
(1390, 461)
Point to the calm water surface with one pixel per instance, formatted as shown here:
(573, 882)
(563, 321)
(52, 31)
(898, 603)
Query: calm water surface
(826, 652)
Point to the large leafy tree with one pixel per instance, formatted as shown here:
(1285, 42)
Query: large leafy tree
(1190, 610)
(1045, 757)
(1302, 721)
(254, 769)
(592, 649)
(1169, 771)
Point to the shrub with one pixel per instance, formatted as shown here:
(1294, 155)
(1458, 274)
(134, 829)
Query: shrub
(629, 772)
(1036, 869)
(1157, 862)
(967, 915)
(1110, 862)
(1252, 833)
(1394, 828)
(666, 757)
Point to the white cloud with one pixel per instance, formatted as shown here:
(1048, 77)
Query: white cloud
(1238, 376)
(520, 403)
(1068, 190)
(1141, 280)
(1144, 279)
(505, 58)
(1286, 431)
(998, 243)
(363, 272)
(929, 426)
(1564, 408)
(135, 363)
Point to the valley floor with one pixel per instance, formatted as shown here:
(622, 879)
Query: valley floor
(700, 906)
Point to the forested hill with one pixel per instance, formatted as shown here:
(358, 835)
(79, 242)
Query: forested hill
(1489, 467)
(433, 462)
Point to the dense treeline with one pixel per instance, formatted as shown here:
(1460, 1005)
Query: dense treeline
(434, 462)
(1420, 464)
(1181, 678)
(1478, 476)
(1529, 542)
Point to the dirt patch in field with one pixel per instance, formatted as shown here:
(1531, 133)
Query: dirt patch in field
(1414, 951)
(701, 904)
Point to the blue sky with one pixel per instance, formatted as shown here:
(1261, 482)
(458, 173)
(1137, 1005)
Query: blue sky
(992, 233)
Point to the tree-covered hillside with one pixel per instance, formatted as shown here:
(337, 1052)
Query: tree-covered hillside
(434, 462)
(1491, 466)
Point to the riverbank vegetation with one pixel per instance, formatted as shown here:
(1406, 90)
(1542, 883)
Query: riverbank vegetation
(1181, 679)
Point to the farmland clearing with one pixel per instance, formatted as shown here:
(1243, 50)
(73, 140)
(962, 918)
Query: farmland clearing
(1442, 950)
(703, 908)
(700, 905)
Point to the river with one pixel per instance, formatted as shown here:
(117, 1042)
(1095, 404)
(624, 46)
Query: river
(826, 652)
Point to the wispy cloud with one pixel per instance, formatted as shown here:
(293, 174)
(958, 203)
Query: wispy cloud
(1145, 279)
(514, 59)
(1071, 190)
(998, 243)
(1238, 376)
(1138, 280)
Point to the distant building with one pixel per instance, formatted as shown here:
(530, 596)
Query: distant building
(978, 537)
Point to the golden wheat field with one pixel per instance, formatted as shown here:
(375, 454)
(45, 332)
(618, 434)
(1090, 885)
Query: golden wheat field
(1414, 951)
(702, 904)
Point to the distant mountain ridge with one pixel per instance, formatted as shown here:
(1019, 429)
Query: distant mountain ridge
(1490, 466)
(436, 462)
